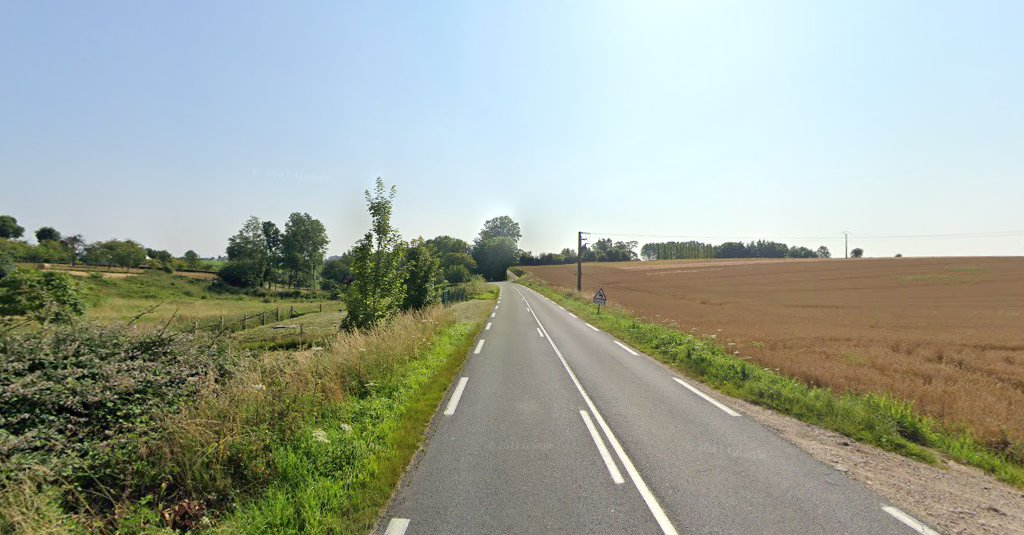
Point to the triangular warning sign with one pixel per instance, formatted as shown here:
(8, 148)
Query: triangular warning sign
(599, 297)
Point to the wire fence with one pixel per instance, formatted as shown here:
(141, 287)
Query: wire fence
(250, 320)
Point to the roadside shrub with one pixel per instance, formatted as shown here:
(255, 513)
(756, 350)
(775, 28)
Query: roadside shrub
(79, 402)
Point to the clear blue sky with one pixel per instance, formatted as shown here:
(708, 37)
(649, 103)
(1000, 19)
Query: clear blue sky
(172, 122)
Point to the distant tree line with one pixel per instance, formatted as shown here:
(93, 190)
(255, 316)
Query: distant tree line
(53, 247)
(753, 249)
(603, 250)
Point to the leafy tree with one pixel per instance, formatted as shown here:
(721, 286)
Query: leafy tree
(45, 297)
(379, 289)
(303, 247)
(274, 238)
(823, 252)
(457, 274)
(9, 228)
(445, 245)
(731, 249)
(337, 272)
(49, 251)
(800, 252)
(127, 254)
(856, 252)
(47, 234)
(500, 227)
(191, 259)
(247, 256)
(494, 256)
(423, 279)
(496, 248)
(163, 257)
(15, 249)
(75, 245)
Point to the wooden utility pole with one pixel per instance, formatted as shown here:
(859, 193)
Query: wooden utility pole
(846, 243)
(579, 261)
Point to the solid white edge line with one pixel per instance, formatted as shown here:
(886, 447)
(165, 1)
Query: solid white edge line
(540, 333)
(612, 469)
(488, 327)
(627, 348)
(592, 327)
(479, 346)
(910, 521)
(397, 526)
(456, 396)
(641, 486)
(706, 397)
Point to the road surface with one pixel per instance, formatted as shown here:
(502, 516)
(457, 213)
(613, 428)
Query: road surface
(556, 427)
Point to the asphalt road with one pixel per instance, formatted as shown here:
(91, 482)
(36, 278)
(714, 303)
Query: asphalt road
(557, 427)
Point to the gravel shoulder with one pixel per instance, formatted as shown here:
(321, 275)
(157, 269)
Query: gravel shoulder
(951, 498)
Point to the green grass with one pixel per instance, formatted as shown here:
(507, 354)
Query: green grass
(336, 474)
(190, 300)
(873, 418)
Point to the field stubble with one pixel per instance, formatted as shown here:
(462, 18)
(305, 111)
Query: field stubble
(945, 333)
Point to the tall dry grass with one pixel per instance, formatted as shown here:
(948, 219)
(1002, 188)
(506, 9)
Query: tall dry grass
(221, 449)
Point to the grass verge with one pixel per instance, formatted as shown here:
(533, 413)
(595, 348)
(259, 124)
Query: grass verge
(874, 418)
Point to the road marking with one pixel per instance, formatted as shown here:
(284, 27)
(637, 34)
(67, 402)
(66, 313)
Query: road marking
(706, 397)
(910, 521)
(624, 346)
(493, 313)
(641, 486)
(488, 327)
(612, 469)
(479, 346)
(571, 314)
(454, 402)
(539, 332)
(397, 526)
(592, 327)
(496, 307)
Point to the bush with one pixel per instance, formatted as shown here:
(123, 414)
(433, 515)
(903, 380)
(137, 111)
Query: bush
(81, 401)
(41, 296)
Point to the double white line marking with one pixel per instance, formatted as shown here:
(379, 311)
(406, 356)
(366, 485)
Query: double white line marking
(612, 469)
(634, 475)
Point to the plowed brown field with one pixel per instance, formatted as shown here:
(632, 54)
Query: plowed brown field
(946, 333)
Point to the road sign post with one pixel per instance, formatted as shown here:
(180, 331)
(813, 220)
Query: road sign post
(600, 299)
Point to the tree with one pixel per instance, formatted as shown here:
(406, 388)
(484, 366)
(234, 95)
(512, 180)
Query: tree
(7, 265)
(856, 252)
(444, 245)
(495, 256)
(423, 281)
(49, 251)
(45, 297)
(800, 252)
(75, 245)
(127, 254)
(303, 247)
(496, 248)
(823, 252)
(247, 256)
(379, 289)
(731, 249)
(273, 238)
(163, 257)
(9, 228)
(191, 259)
(500, 227)
(47, 234)
(337, 272)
